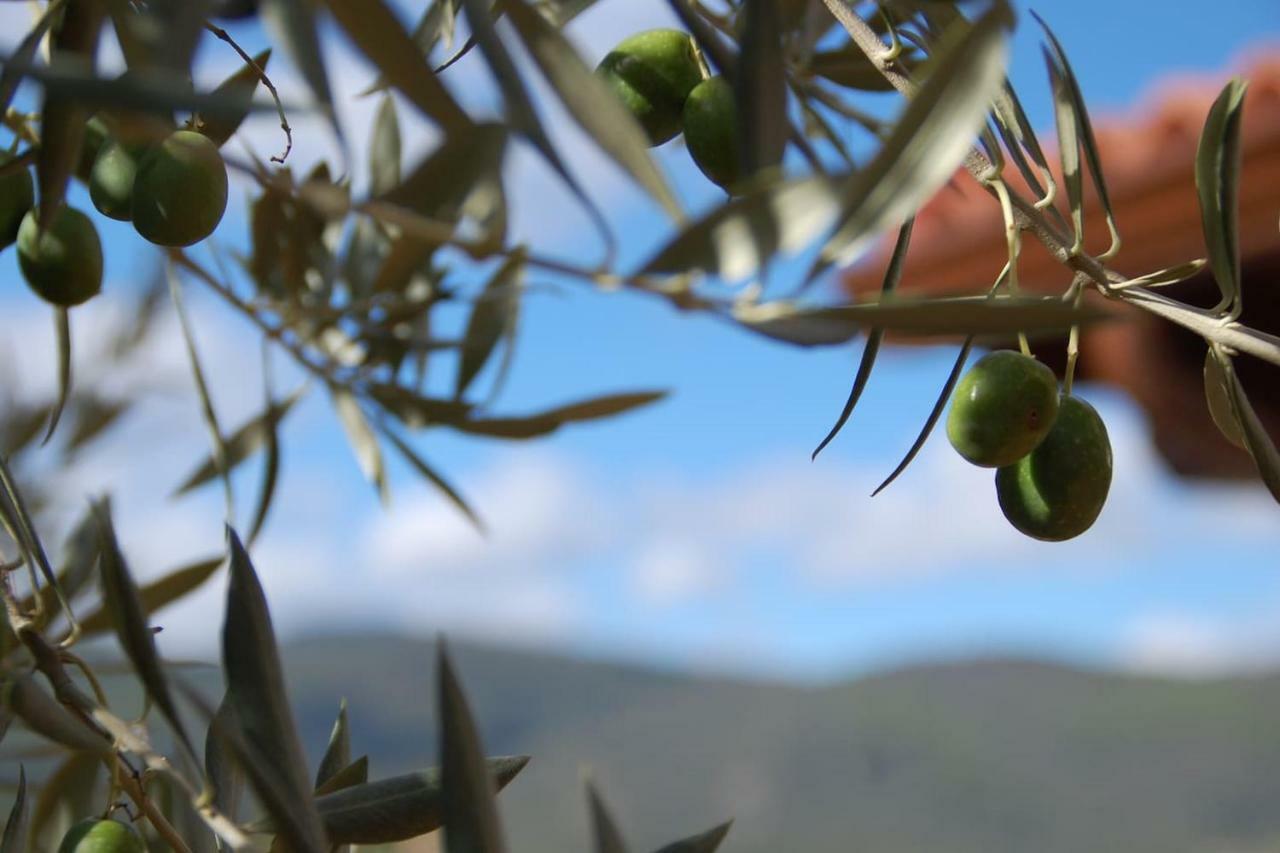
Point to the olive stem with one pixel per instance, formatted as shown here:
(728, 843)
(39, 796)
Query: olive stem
(222, 34)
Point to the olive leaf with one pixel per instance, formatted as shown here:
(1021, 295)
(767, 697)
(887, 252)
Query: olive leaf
(355, 773)
(256, 694)
(1256, 439)
(294, 24)
(158, 593)
(606, 836)
(47, 717)
(337, 754)
(243, 443)
(364, 444)
(384, 149)
(225, 776)
(549, 421)
(589, 101)
(705, 842)
(432, 476)
(14, 839)
(1218, 397)
(850, 67)
(1217, 184)
(11, 74)
(128, 616)
(490, 319)
(470, 815)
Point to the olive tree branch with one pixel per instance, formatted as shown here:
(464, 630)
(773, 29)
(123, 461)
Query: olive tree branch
(223, 35)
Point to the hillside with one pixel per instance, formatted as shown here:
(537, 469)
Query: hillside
(983, 756)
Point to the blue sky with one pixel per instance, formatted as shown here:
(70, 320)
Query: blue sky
(697, 533)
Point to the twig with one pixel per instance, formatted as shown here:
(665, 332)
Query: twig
(265, 81)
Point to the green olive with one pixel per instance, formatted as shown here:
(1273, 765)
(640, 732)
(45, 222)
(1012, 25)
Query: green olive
(102, 836)
(711, 131)
(111, 181)
(1057, 491)
(17, 195)
(96, 134)
(653, 72)
(180, 190)
(62, 264)
(1002, 408)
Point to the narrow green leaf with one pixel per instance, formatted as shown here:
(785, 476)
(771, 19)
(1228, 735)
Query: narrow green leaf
(760, 88)
(929, 140)
(355, 773)
(549, 421)
(14, 839)
(736, 239)
(590, 103)
(129, 618)
(396, 808)
(892, 275)
(364, 444)
(270, 475)
(1086, 136)
(968, 315)
(158, 594)
(1066, 121)
(1256, 438)
(432, 476)
(294, 25)
(255, 690)
(241, 85)
(435, 23)
(11, 74)
(470, 815)
(226, 777)
(1217, 393)
(337, 753)
(376, 31)
(62, 328)
(606, 838)
(1020, 140)
(439, 186)
(706, 842)
(384, 149)
(1218, 183)
(938, 407)
(522, 115)
(45, 716)
(784, 321)
(243, 443)
(415, 410)
(490, 319)
(1164, 277)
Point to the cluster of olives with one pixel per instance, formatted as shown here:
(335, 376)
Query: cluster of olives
(102, 836)
(658, 77)
(174, 192)
(1051, 451)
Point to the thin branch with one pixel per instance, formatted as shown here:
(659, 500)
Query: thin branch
(265, 81)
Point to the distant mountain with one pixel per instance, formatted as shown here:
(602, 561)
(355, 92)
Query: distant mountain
(979, 757)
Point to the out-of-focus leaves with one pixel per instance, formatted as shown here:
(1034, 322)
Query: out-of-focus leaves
(1064, 78)
(93, 416)
(225, 775)
(605, 835)
(337, 753)
(760, 89)
(1218, 183)
(374, 28)
(364, 444)
(1217, 392)
(242, 443)
(549, 421)
(400, 807)
(240, 85)
(588, 99)
(416, 410)
(928, 141)
(384, 149)
(14, 839)
(1020, 139)
(165, 38)
(789, 323)
(62, 329)
(355, 773)
(892, 275)
(848, 66)
(255, 690)
(1256, 439)
(735, 239)
(939, 406)
(468, 809)
(128, 616)
(294, 23)
(11, 74)
(704, 842)
(45, 716)
(721, 56)
(439, 185)
(158, 593)
(66, 796)
(432, 476)
(490, 319)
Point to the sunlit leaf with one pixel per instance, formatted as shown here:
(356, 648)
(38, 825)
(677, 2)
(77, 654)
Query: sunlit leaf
(1217, 182)
(337, 754)
(242, 84)
(590, 102)
(128, 616)
(361, 438)
(375, 29)
(384, 149)
(255, 690)
(470, 815)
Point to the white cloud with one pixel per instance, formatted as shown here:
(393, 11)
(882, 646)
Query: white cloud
(1181, 643)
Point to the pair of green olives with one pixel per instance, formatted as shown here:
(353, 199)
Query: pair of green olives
(657, 76)
(102, 836)
(174, 192)
(1051, 451)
